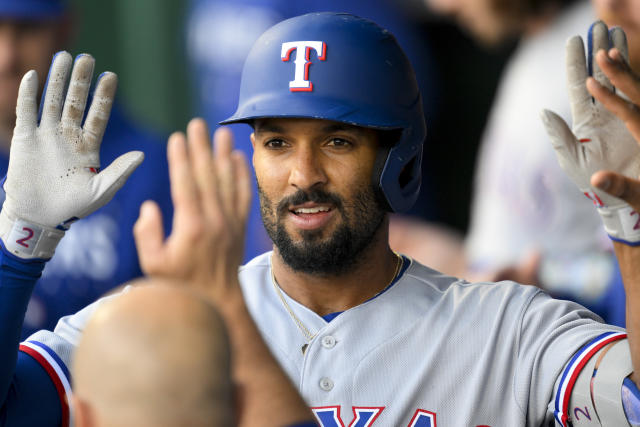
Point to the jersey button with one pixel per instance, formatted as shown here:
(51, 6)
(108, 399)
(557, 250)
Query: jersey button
(328, 341)
(326, 384)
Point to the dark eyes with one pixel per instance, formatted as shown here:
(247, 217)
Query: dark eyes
(277, 143)
(274, 143)
(339, 142)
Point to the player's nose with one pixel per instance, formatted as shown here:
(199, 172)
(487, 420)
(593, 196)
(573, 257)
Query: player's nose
(306, 168)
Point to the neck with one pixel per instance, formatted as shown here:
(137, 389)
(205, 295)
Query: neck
(330, 294)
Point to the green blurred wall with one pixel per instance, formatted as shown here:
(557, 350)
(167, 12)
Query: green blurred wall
(143, 42)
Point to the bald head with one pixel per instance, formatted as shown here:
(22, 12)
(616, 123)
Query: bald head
(154, 356)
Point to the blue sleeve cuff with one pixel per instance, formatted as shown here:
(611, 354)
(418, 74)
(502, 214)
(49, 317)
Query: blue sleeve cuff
(18, 268)
(305, 424)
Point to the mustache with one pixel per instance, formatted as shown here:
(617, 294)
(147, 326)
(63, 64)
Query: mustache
(314, 195)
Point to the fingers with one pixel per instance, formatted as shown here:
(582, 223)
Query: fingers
(243, 185)
(617, 185)
(225, 167)
(619, 42)
(625, 110)
(148, 233)
(598, 40)
(184, 192)
(203, 169)
(112, 178)
(53, 95)
(617, 70)
(562, 139)
(26, 107)
(216, 186)
(100, 109)
(579, 97)
(78, 91)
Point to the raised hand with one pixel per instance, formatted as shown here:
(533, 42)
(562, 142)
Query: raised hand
(598, 139)
(211, 194)
(54, 173)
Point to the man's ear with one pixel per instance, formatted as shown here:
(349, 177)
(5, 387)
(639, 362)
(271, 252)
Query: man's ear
(253, 145)
(83, 415)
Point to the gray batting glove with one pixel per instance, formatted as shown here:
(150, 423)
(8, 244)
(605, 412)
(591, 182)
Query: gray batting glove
(598, 140)
(54, 173)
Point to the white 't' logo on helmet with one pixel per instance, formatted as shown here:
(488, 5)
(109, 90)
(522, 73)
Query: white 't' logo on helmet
(301, 79)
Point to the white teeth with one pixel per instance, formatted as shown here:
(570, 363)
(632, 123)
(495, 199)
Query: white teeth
(311, 210)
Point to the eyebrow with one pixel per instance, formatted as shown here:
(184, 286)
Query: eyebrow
(333, 127)
(341, 127)
(268, 127)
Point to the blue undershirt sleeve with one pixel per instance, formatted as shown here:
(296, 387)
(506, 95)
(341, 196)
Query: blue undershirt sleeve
(27, 395)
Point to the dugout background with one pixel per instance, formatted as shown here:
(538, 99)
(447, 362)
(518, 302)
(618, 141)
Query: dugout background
(144, 42)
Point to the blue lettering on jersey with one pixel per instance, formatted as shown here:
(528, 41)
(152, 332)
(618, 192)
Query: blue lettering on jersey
(329, 416)
(423, 418)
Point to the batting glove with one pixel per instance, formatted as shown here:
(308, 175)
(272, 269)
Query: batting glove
(598, 140)
(54, 173)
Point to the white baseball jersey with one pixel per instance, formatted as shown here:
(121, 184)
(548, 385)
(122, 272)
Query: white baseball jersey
(431, 350)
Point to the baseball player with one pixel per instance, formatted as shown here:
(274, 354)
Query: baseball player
(368, 336)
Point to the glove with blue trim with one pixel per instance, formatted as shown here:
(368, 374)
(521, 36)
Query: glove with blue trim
(598, 139)
(54, 173)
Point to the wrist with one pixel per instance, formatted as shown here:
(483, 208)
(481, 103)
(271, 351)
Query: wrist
(231, 304)
(28, 240)
(621, 223)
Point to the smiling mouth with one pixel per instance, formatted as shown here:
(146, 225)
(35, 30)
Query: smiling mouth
(310, 216)
(312, 210)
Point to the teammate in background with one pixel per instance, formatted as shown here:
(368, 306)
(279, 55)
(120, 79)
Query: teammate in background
(131, 367)
(131, 361)
(527, 222)
(338, 131)
(31, 31)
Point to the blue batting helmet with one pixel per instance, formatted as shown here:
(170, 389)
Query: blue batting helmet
(346, 69)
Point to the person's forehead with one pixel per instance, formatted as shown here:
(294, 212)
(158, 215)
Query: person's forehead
(294, 125)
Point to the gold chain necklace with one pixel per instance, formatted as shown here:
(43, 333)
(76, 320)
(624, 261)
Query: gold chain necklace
(308, 336)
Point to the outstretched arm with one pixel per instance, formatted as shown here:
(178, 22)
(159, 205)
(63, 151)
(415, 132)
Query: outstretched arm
(615, 66)
(53, 180)
(211, 197)
(604, 136)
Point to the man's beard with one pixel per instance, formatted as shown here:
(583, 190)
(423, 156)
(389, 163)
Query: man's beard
(337, 253)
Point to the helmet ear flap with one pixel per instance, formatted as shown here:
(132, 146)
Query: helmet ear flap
(388, 139)
(378, 167)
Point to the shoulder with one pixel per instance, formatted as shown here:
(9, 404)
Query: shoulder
(443, 286)
(257, 265)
